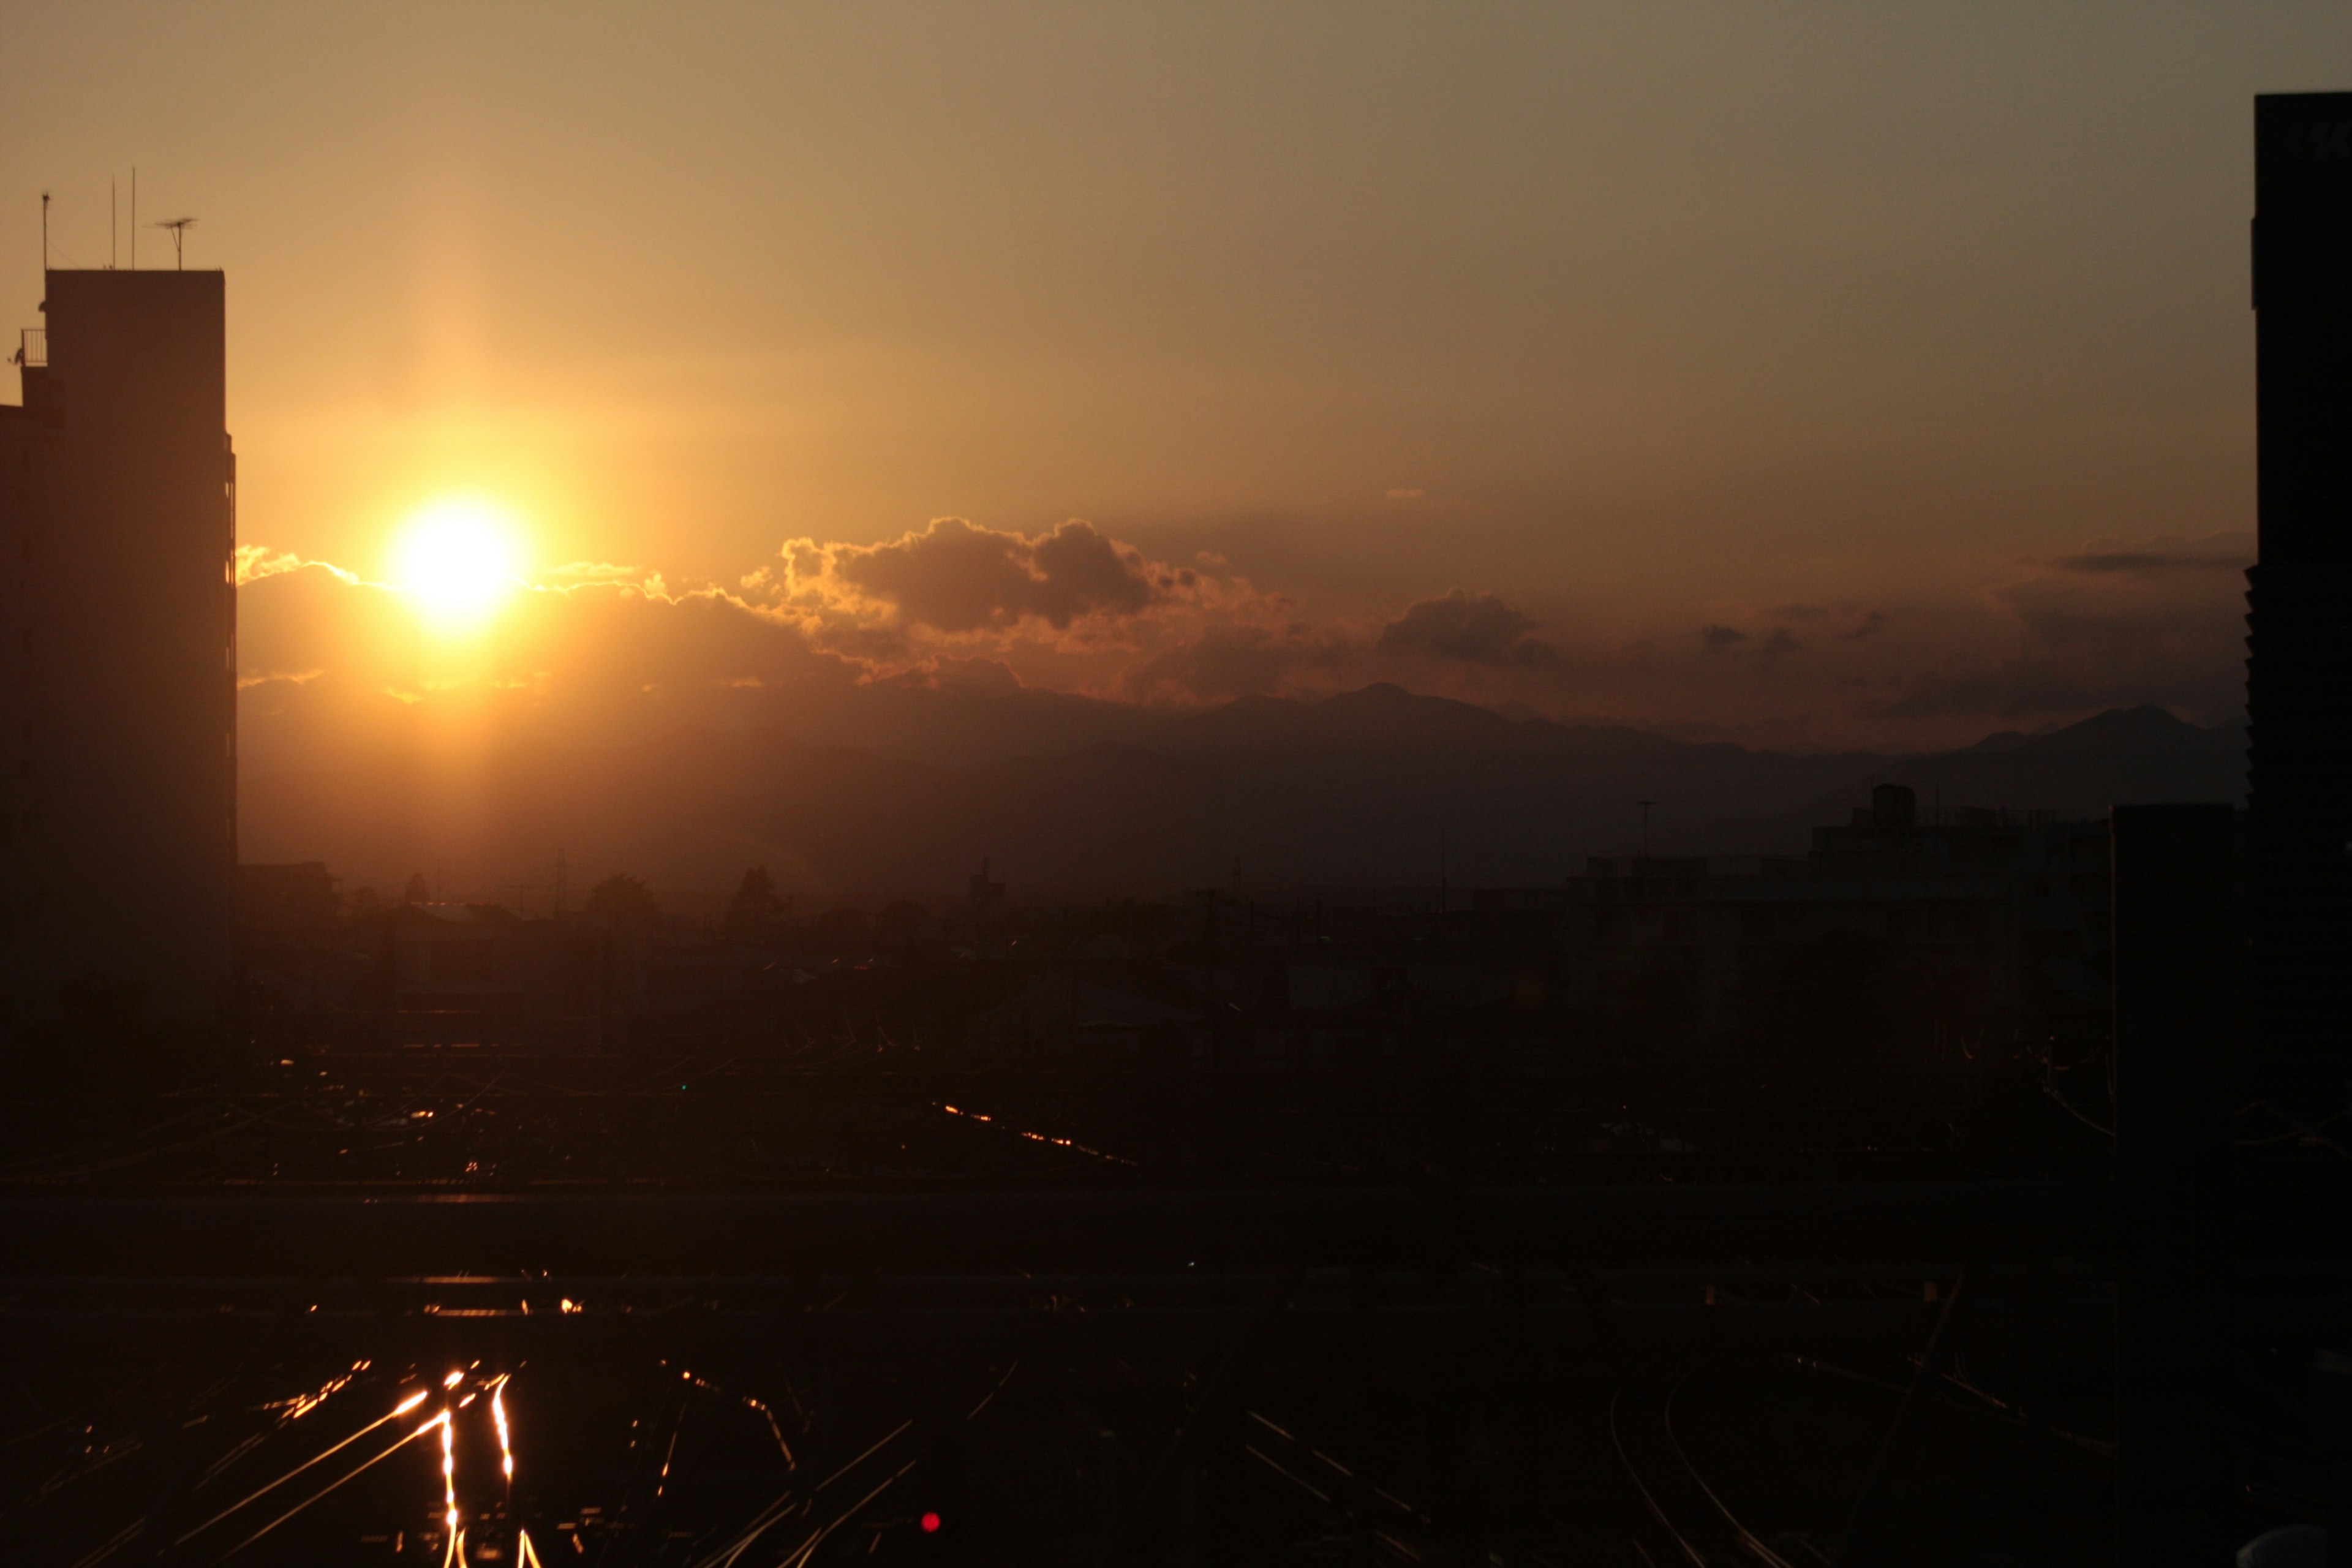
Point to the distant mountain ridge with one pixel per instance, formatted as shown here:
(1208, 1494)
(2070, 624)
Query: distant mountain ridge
(1378, 786)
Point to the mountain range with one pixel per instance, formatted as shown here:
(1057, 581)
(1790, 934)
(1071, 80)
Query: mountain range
(1069, 798)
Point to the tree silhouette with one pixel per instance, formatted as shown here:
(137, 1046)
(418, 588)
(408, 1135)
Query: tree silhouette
(416, 893)
(756, 910)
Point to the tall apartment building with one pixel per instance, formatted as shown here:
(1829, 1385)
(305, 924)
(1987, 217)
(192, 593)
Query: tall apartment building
(117, 624)
(2299, 625)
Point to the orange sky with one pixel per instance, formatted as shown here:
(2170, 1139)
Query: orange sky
(1905, 346)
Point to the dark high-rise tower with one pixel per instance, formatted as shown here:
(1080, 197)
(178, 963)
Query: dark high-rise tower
(2299, 674)
(118, 765)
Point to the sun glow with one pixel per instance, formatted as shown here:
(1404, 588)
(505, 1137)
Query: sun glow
(459, 558)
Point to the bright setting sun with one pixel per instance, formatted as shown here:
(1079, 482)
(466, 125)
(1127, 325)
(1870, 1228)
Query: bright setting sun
(459, 558)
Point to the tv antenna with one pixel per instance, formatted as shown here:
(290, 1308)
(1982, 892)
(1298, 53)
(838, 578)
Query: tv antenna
(45, 231)
(179, 227)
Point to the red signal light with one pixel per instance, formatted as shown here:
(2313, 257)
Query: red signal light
(930, 1523)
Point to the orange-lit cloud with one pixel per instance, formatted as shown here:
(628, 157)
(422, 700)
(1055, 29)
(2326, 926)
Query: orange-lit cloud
(835, 634)
(955, 577)
(1467, 628)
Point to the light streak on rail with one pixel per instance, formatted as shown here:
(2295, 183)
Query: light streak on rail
(499, 1414)
(440, 1420)
(403, 1408)
(302, 1405)
(457, 1551)
(1070, 1144)
(750, 1403)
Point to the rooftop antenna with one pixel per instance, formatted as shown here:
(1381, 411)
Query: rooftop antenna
(45, 231)
(179, 227)
(134, 218)
(113, 228)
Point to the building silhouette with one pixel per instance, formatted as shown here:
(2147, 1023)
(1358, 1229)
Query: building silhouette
(1992, 923)
(2299, 669)
(118, 519)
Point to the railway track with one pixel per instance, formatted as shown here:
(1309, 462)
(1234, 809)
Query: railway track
(1691, 1524)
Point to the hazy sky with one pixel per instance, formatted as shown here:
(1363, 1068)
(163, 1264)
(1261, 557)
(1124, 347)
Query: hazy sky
(1906, 347)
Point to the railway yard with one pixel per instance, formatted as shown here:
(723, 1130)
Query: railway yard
(831, 1302)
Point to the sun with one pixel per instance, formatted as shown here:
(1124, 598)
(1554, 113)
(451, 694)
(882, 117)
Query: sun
(459, 558)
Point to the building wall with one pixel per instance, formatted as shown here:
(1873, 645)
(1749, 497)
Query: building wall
(2299, 625)
(124, 632)
(19, 818)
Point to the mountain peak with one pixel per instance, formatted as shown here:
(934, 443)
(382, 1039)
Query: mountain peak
(2148, 718)
(2145, 728)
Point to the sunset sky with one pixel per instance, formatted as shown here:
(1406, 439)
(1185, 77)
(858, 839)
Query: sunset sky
(1872, 374)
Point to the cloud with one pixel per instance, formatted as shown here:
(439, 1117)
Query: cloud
(2122, 622)
(1467, 628)
(601, 653)
(1225, 661)
(956, 577)
(595, 572)
(1720, 639)
(990, 676)
(2116, 613)
(2142, 560)
(254, 561)
(2164, 552)
(1778, 645)
(1864, 625)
